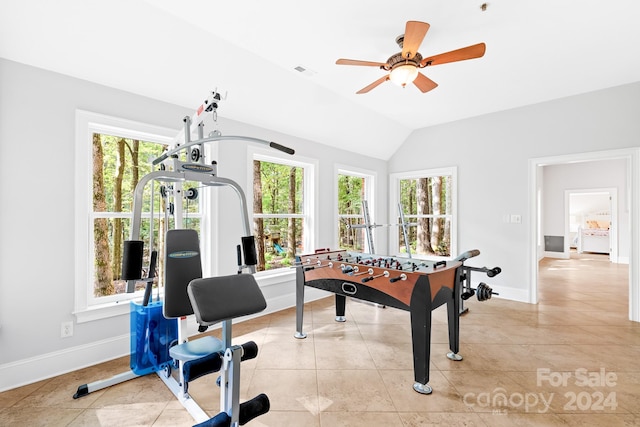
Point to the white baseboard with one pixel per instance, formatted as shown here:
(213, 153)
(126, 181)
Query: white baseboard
(28, 371)
(33, 369)
(508, 293)
(558, 255)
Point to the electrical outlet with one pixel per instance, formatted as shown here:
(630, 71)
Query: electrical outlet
(66, 329)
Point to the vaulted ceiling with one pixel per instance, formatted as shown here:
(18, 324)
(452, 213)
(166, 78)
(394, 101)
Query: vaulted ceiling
(178, 51)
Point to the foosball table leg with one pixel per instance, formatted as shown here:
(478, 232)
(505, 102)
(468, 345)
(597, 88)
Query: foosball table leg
(341, 304)
(299, 304)
(422, 388)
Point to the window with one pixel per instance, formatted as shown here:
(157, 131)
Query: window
(426, 202)
(282, 206)
(112, 155)
(116, 170)
(354, 190)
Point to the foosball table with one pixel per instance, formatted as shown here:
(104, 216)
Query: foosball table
(414, 285)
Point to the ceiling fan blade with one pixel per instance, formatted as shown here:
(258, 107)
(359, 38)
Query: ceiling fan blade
(469, 52)
(358, 62)
(424, 83)
(413, 35)
(374, 84)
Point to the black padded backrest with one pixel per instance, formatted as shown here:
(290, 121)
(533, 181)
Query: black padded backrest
(181, 265)
(215, 299)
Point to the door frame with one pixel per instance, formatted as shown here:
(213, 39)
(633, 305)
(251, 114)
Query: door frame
(632, 156)
(613, 213)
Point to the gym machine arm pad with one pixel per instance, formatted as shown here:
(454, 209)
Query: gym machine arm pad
(132, 259)
(249, 249)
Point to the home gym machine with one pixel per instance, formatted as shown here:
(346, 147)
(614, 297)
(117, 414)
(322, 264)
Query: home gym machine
(159, 337)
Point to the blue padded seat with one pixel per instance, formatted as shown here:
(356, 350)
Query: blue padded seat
(195, 349)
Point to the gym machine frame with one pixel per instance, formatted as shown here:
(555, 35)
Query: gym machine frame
(196, 171)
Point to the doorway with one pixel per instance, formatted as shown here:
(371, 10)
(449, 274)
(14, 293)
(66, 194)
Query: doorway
(591, 221)
(632, 205)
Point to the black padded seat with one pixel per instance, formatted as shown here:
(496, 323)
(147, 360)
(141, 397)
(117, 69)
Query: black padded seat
(215, 299)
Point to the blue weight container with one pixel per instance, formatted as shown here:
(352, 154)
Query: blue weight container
(151, 337)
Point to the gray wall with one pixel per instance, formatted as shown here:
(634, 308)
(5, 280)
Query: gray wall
(37, 139)
(492, 153)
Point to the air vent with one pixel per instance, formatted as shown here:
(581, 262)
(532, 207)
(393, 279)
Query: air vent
(305, 71)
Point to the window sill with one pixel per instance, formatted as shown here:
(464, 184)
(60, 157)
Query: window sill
(103, 311)
(274, 277)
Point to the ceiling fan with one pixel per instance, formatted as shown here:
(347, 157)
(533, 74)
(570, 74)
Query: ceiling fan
(403, 66)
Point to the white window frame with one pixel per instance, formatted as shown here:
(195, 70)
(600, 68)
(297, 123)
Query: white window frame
(86, 306)
(394, 199)
(310, 167)
(370, 178)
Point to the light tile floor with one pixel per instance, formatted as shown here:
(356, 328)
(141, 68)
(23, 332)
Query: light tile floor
(570, 360)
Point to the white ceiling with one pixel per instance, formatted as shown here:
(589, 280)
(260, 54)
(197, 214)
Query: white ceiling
(178, 51)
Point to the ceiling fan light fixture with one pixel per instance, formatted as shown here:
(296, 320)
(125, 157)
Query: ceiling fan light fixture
(402, 67)
(403, 74)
